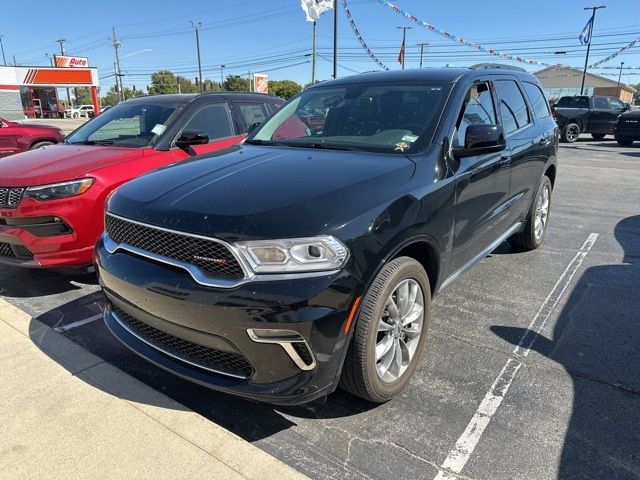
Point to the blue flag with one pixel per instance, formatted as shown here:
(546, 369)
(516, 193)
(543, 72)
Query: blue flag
(585, 34)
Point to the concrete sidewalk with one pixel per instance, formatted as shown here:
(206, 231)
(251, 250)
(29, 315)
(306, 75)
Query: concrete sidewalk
(62, 415)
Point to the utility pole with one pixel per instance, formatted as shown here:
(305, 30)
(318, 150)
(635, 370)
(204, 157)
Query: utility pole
(221, 77)
(313, 56)
(15, 64)
(619, 75)
(335, 39)
(404, 39)
(586, 60)
(61, 42)
(422, 45)
(197, 28)
(116, 45)
(4, 60)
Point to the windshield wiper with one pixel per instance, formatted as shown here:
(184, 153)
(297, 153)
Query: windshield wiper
(92, 142)
(261, 142)
(333, 146)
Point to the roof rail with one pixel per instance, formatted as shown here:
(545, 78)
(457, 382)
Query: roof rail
(499, 66)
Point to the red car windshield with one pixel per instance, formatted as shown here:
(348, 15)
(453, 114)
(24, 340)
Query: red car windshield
(135, 124)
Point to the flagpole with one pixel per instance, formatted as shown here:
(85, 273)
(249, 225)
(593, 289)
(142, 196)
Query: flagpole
(313, 56)
(586, 60)
(404, 39)
(335, 39)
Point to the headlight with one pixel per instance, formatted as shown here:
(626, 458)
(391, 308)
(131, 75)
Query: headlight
(295, 254)
(55, 191)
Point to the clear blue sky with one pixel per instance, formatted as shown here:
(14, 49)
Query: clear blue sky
(273, 36)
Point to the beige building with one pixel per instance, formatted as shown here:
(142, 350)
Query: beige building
(559, 82)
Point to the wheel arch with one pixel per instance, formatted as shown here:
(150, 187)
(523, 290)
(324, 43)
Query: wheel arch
(551, 173)
(40, 140)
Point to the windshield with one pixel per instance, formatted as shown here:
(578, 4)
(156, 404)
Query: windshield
(136, 124)
(383, 118)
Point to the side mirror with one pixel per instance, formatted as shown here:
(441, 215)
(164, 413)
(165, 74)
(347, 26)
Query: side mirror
(253, 126)
(626, 107)
(191, 137)
(480, 139)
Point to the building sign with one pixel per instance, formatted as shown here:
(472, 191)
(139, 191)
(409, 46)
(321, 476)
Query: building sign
(15, 77)
(261, 83)
(72, 62)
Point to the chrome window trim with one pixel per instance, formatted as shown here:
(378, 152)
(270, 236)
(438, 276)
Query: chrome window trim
(198, 275)
(172, 355)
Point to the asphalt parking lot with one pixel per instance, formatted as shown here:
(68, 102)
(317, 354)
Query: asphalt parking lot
(531, 370)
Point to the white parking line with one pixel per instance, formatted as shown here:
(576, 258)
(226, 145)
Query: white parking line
(79, 323)
(466, 444)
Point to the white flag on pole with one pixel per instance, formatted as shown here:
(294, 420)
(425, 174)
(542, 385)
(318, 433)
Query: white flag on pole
(314, 8)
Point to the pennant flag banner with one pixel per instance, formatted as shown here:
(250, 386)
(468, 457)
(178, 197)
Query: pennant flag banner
(616, 53)
(359, 37)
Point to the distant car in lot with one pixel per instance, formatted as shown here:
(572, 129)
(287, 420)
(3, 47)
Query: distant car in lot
(587, 114)
(627, 128)
(307, 257)
(52, 200)
(81, 111)
(18, 137)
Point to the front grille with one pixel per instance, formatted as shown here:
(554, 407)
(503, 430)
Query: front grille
(15, 251)
(10, 197)
(210, 256)
(209, 358)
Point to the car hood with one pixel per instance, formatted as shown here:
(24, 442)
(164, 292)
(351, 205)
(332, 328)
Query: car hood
(38, 126)
(257, 192)
(631, 113)
(58, 163)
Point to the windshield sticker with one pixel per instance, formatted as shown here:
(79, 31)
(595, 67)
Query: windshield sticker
(410, 138)
(401, 146)
(158, 129)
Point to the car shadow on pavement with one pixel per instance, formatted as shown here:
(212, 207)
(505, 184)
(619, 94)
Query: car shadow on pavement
(250, 420)
(596, 340)
(38, 283)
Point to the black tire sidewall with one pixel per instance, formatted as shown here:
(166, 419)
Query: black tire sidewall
(409, 269)
(564, 132)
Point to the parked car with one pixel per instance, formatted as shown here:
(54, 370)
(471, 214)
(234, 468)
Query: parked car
(52, 200)
(587, 114)
(81, 111)
(307, 258)
(18, 137)
(627, 128)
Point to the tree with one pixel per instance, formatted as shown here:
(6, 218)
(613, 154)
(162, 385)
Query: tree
(111, 97)
(284, 88)
(163, 81)
(235, 83)
(83, 96)
(636, 96)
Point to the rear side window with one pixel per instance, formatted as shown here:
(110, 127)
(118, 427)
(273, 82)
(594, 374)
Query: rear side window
(573, 102)
(513, 107)
(478, 108)
(213, 120)
(601, 103)
(539, 104)
(251, 113)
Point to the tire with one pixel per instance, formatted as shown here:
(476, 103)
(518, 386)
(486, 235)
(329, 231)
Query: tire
(529, 238)
(360, 375)
(598, 136)
(624, 141)
(570, 132)
(40, 145)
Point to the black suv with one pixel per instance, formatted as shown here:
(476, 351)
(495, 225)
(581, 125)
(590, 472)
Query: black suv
(307, 258)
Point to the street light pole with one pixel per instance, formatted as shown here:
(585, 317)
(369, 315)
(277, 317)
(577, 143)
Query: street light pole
(197, 28)
(61, 42)
(619, 75)
(586, 60)
(4, 60)
(335, 39)
(221, 77)
(313, 55)
(422, 45)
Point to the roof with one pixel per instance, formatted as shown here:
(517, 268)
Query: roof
(443, 75)
(188, 97)
(558, 76)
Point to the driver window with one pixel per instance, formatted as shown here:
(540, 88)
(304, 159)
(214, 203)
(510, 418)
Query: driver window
(215, 121)
(478, 108)
(600, 103)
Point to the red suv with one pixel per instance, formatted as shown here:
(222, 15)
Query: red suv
(52, 200)
(17, 137)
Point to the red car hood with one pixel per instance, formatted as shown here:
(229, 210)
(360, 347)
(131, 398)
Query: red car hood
(58, 163)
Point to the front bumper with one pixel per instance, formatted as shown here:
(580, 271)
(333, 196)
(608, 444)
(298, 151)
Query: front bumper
(627, 131)
(160, 313)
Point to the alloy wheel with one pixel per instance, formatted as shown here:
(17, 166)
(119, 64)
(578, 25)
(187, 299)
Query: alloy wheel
(399, 330)
(542, 212)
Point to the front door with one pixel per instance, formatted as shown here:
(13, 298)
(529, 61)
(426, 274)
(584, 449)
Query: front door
(482, 184)
(604, 115)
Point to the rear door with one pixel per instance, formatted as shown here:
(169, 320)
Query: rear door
(8, 139)
(603, 115)
(482, 183)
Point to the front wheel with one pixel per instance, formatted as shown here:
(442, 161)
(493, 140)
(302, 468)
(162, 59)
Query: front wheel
(624, 141)
(535, 229)
(389, 333)
(570, 132)
(598, 136)
(40, 145)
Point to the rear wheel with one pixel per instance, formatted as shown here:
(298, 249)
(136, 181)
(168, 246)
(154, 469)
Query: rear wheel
(624, 141)
(598, 136)
(535, 229)
(40, 145)
(570, 132)
(389, 333)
